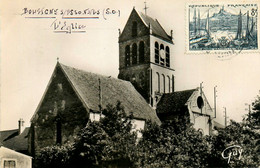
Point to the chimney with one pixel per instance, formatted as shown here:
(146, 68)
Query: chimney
(171, 34)
(20, 125)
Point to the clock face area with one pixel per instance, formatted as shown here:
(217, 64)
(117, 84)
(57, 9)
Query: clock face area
(162, 53)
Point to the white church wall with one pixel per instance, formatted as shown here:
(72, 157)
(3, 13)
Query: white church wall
(95, 116)
(165, 82)
(200, 113)
(138, 125)
(195, 105)
(200, 123)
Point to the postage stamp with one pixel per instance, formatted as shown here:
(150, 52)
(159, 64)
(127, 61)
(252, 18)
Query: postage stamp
(222, 27)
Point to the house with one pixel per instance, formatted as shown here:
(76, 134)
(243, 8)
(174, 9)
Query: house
(73, 97)
(12, 159)
(16, 139)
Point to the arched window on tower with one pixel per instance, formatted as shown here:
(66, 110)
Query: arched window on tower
(158, 81)
(169, 84)
(134, 29)
(127, 56)
(156, 52)
(167, 56)
(134, 54)
(162, 54)
(163, 83)
(141, 52)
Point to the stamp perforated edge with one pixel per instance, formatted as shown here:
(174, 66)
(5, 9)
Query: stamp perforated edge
(227, 54)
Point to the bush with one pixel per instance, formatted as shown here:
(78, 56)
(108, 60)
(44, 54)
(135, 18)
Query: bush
(111, 143)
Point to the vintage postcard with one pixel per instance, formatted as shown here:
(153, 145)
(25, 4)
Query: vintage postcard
(112, 83)
(222, 27)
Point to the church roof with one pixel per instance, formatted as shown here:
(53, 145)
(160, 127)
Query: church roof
(112, 90)
(156, 27)
(12, 140)
(174, 102)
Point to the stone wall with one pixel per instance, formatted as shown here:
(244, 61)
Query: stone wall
(142, 30)
(59, 105)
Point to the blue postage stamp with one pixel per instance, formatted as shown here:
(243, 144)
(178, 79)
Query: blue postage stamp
(222, 27)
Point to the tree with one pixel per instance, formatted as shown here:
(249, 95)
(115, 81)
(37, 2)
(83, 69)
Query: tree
(171, 146)
(245, 134)
(109, 142)
(54, 156)
(89, 146)
(254, 118)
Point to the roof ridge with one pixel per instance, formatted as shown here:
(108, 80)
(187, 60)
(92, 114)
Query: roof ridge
(145, 17)
(181, 91)
(97, 74)
(162, 27)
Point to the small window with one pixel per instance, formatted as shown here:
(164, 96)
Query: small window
(167, 56)
(134, 54)
(134, 29)
(9, 164)
(127, 56)
(141, 52)
(200, 102)
(156, 52)
(60, 87)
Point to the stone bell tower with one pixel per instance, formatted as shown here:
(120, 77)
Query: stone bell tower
(145, 57)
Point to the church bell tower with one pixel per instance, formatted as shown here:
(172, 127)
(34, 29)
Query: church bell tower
(145, 57)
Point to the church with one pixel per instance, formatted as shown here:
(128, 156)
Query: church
(145, 88)
(145, 59)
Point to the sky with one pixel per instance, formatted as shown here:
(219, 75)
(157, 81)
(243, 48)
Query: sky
(30, 48)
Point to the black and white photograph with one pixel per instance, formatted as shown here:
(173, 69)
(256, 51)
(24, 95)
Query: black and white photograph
(129, 84)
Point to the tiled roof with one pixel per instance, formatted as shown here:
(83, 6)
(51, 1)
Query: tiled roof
(87, 85)
(173, 102)
(157, 29)
(17, 142)
(4, 135)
